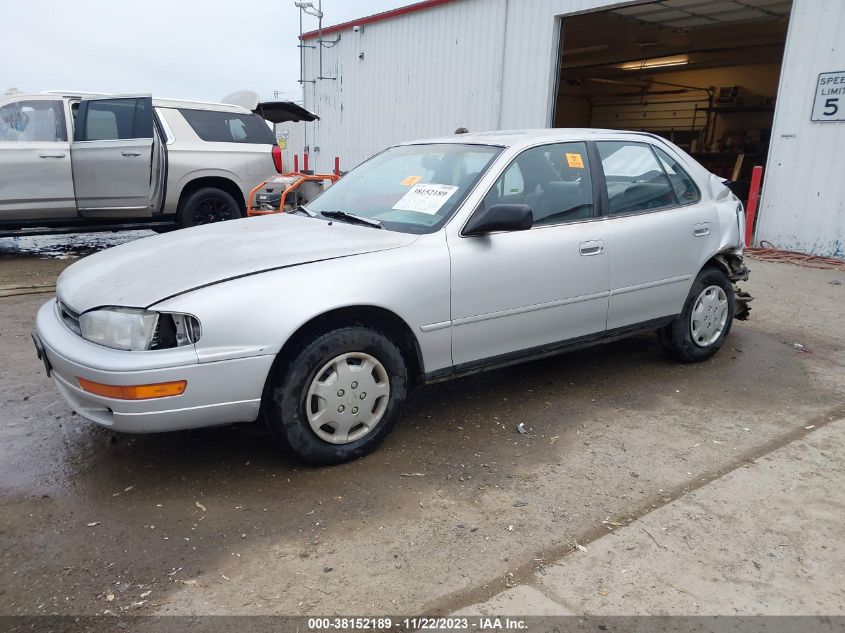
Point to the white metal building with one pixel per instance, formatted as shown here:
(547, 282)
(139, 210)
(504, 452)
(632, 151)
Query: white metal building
(737, 81)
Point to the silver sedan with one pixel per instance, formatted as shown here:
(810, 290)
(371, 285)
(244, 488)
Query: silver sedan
(431, 260)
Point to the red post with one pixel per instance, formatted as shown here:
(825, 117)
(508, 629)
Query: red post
(305, 162)
(296, 163)
(753, 200)
(337, 165)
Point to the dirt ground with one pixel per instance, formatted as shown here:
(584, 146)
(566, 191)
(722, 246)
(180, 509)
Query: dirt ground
(454, 507)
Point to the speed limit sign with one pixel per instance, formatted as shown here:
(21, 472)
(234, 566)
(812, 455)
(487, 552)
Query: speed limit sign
(829, 104)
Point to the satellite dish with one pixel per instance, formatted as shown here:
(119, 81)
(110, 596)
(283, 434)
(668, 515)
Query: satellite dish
(244, 98)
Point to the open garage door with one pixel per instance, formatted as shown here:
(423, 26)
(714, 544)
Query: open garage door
(701, 73)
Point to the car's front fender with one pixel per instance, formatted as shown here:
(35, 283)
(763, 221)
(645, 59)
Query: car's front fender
(256, 314)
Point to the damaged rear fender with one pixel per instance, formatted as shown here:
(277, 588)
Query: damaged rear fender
(736, 270)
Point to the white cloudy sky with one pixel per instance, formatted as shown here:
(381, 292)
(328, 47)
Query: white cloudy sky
(193, 49)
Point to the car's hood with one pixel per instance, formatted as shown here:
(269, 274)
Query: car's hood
(146, 271)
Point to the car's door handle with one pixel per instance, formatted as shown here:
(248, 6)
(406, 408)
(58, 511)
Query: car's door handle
(593, 247)
(131, 152)
(701, 229)
(51, 155)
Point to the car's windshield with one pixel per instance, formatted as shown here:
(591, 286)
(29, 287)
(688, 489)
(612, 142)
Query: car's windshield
(412, 188)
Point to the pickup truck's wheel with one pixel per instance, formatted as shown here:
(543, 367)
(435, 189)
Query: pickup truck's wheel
(339, 396)
(708, 313)
(208, 205)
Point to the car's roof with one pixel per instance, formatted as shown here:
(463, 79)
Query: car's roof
(159, 102)
(508, 138)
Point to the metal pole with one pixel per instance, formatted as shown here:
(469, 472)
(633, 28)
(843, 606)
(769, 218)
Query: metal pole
(320, 34)
(753, 200)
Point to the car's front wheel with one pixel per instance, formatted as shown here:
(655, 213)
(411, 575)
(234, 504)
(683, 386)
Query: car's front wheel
(708, 313)
(338, 397)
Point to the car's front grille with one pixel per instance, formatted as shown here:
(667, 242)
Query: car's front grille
(69, 318)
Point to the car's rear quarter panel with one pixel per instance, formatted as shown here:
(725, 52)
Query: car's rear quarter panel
(190, 158)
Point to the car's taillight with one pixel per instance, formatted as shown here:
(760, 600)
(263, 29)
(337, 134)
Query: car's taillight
(277, 158)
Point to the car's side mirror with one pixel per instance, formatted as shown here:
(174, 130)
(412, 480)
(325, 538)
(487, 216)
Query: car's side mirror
(500, 217)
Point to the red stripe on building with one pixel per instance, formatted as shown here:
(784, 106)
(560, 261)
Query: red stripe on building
(378, 17)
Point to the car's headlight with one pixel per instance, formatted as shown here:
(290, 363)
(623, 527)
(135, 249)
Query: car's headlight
(138, 330)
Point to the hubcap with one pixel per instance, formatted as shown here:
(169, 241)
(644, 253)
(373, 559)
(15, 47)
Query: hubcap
(709, 316)
(347, 398)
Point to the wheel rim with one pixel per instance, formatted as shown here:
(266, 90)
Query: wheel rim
(210, 210)
(709, 316)
(347, 398)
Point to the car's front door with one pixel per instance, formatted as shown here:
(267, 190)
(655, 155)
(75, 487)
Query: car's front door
(523, 291)
(113, 156)
(659, 232)
(35, 172)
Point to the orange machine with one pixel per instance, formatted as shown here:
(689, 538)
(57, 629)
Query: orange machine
(288, 190)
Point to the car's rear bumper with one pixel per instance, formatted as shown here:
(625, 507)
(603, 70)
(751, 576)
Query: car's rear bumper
(216, 393)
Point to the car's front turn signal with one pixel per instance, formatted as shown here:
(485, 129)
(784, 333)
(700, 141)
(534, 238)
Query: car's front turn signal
(134, 392)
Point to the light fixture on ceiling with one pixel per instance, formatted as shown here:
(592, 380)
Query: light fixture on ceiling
(585, 49)
(656, 62)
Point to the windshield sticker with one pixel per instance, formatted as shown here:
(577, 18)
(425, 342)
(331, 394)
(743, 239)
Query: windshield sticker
(410, 181)
(574, 161)
(427, 199)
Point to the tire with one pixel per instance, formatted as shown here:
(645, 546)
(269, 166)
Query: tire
(207, 205)
(348, 422)
(692, 341)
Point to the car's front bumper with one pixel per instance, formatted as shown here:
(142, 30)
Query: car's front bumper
(218, 392)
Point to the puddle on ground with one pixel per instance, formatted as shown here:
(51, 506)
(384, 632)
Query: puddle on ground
(65, 246)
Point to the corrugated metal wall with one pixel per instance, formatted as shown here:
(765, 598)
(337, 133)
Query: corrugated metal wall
(396, 92)
(802, 207)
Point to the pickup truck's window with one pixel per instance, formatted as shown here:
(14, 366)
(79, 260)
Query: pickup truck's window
(412, 188)
(635, 180)
(116, 119)
(33, 121)
(228, 127)
(684, 187)
(554, 180)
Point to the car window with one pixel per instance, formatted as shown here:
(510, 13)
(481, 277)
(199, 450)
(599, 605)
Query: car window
(116, 119)
(511, 183)
(36, 120)
(412, 188)
(685, 189)
(228, 127)
(635, 180)
(554, 180)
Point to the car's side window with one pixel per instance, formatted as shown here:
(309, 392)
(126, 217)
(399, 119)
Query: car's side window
(228, 127)
(635, 180)
(116, 119)
(685, 189)
(36, 120)
(554, 180)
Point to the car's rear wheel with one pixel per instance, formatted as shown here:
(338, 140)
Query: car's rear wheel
(339, 396)
(207, 205)
(706, 320)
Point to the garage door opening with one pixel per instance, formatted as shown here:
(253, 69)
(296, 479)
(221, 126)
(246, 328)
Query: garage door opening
(700, 73)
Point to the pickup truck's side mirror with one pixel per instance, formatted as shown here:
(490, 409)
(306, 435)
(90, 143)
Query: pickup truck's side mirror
(500, 217)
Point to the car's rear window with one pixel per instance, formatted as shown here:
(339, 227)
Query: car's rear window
(228, 127)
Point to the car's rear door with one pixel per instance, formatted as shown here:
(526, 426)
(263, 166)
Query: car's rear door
(35, 172)
(659, 232)
(523, 292)
(113, 156)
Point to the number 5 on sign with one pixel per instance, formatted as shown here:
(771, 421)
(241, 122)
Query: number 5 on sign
(829, 103)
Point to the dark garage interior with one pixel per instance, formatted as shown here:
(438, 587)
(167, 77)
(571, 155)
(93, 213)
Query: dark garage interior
(702, 74)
